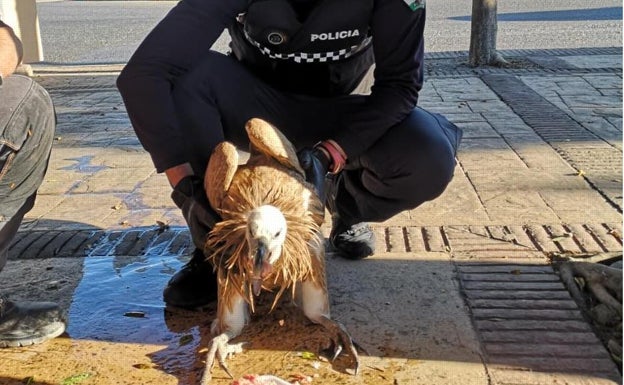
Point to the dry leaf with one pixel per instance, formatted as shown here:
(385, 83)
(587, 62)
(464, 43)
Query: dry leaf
(186, 339)
(162, 226)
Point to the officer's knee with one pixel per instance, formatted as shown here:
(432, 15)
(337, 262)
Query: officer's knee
(432, 161)
(438, 175)
(430, 177)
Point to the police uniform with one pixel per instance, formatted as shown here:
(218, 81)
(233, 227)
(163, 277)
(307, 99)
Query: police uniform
(296, 63)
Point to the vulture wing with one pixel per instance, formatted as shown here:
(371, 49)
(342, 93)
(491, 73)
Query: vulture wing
(219, 174)
(270, 141)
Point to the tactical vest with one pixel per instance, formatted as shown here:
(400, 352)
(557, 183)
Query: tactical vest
(313, 47)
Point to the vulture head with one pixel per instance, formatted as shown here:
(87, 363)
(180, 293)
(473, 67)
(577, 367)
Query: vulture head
(265, 236)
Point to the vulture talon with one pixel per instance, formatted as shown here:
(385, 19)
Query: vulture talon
(337, 351)
(341, 340)
(221, 351)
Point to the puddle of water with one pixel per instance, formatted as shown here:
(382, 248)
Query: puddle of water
(120, 300)
(118, 331)
(83, 164)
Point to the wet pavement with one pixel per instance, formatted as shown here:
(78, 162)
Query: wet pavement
(461, 290)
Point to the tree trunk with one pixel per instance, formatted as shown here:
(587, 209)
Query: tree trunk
(483, 34)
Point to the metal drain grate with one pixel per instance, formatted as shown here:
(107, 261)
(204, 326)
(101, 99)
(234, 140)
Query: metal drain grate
(503, 241)
(529, 325)
(86, 243)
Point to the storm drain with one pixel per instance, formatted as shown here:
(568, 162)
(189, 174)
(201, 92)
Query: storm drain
(464, 242)
(96, 243)
(529, 326)
(590, 155)
(500, 241)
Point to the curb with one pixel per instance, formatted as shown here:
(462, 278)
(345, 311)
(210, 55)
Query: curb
(45, 68)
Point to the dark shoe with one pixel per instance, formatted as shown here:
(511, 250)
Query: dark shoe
(29, 323)
(352, 242)
(194, 286)
(355, 241)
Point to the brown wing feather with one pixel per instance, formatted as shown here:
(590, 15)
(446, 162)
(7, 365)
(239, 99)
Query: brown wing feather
(269, 140)
(220, 173)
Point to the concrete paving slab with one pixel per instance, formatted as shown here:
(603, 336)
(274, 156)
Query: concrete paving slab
(459, 204)
(594, 61)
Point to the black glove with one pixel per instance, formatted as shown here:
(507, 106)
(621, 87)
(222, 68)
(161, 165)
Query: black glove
(189, 195)
(315, 164)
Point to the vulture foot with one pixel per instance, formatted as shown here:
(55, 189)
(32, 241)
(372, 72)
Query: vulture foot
(220, 350)
(342, 340)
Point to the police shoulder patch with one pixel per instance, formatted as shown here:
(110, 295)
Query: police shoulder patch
(415, 5)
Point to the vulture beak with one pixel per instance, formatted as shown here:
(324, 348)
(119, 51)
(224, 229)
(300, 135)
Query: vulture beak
(259, 266)
(266, 232)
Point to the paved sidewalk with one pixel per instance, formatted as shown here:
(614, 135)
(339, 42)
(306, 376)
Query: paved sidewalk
(460, 292)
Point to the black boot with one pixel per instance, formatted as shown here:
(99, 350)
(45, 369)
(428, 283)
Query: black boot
(351, 240)
(356, 241)
(194, 286)
(29, 323)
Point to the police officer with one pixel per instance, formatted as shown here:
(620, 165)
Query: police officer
(294, 63)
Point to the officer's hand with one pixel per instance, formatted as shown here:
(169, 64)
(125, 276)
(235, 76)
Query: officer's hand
(315, 164)
(190, 197)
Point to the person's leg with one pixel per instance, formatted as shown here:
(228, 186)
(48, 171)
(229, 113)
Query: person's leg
(27, 124)
(411, 164)
(9, 228)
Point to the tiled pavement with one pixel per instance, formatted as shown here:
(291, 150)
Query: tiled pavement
(539, 172)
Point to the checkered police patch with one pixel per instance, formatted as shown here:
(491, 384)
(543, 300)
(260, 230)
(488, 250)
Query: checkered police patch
(317, 57)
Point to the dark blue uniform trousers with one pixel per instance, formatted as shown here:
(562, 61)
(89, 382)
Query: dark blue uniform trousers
(411, 163)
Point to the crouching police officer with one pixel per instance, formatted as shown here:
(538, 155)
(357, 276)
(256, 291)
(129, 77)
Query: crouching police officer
(294, 63)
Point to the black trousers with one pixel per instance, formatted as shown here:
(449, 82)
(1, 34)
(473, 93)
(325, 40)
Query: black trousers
(412, 163)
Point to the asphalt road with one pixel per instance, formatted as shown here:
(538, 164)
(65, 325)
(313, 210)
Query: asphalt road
(109, 31)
